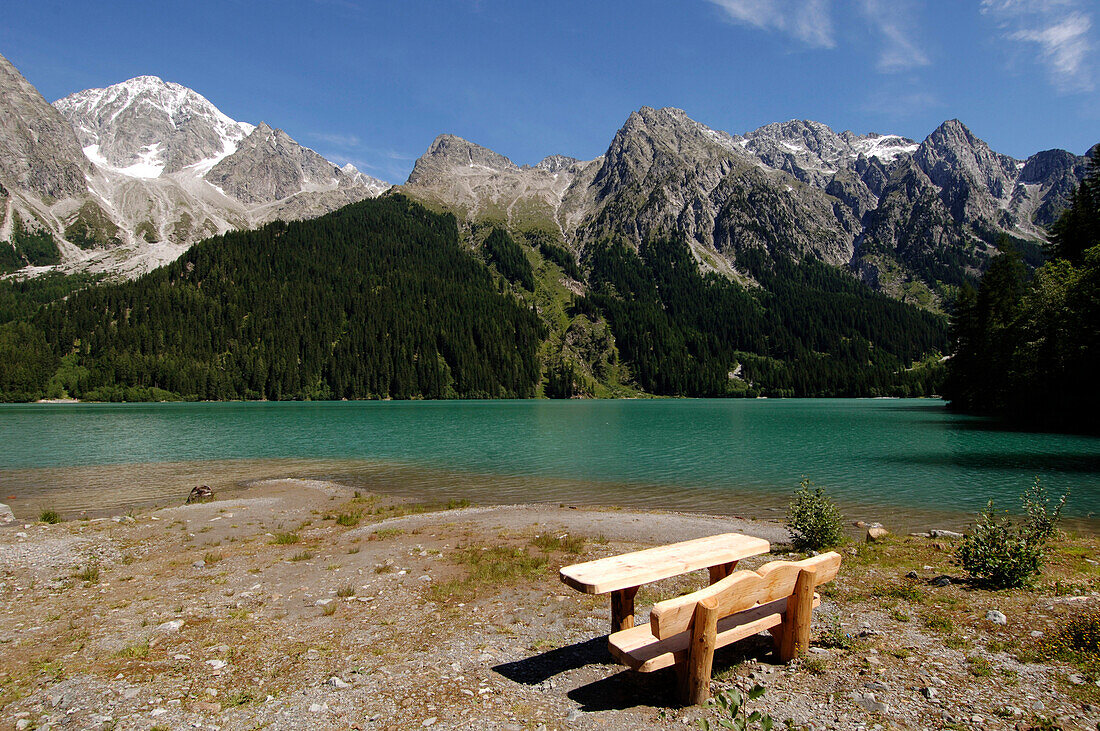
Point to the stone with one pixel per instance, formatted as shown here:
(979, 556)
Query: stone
(950, 534)
(316, 708)
(335, 682)
(1076, 679)
(429, 722)
(912, 575)
(1036, 633)
(930, 693)
(199, 565)
(876, 534)
(6, 515)
(216, 664)
(575, 714)
(868, 703)
(996, 617)
(941, 581)
(169, 628)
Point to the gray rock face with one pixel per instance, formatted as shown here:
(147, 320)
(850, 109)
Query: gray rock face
(906, 217)
(270, 166)
(447, 153)
(157, 126)
(39, 152)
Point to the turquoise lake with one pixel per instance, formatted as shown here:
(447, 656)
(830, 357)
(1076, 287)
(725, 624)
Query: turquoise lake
(899, 461)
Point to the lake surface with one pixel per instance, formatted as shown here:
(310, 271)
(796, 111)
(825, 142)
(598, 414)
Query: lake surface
(906, 462)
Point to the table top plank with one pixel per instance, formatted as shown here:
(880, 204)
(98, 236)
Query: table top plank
(653, 564)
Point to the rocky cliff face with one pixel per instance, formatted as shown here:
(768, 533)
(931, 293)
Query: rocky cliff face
(125, 178)
(39, 152)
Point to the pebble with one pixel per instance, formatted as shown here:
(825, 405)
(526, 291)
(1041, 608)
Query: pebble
(996, 617)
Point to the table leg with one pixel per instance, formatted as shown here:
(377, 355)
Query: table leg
(622, 608)
(721, 571)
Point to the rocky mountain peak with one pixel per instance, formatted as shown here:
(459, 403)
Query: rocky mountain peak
(38, 150)
(953, 151)
(448, 152)
(556, 163)
(146, 126)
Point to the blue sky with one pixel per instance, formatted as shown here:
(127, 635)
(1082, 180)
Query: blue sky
(374, 82)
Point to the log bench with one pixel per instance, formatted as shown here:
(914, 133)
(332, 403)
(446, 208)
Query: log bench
(685, 631)
(623, 575)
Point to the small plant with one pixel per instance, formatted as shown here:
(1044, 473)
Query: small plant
(212, 557)
(565, 543)
(1002, 554)
(979, 666)
(239, 698)
(49, 516)
(345, 591)
(813, 519)
(89, 574)
(833, 636)
(733, 714)
(301, 556)
(457, 503)
(1078, 642)
(329, 609)
(349, 519)
(137, 651)
(383, 533)
(286, 538)
(814, 665)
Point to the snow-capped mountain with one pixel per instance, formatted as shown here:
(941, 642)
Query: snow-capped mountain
(127, 177)
(145, 127)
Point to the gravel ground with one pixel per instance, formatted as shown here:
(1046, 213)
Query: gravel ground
(301, 605)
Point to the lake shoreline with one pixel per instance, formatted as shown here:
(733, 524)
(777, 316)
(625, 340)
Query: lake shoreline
(307, 604)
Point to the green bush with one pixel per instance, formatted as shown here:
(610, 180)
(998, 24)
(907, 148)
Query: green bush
(1000, 553)
(813, 519)
(49, 516)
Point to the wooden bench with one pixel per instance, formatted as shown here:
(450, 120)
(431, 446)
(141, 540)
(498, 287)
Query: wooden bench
(622, 575)
(685, 631)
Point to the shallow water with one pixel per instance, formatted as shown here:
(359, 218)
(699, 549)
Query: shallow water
(905, 462)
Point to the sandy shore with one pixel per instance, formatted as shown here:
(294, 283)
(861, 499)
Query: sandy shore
(299, 604)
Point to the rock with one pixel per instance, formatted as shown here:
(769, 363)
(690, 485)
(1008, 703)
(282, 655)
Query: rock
(199, 565)
(945, 534)
(574, 715)
(313, 654)
(941, 581)
(200, 494)
(335, 682)
(323, 602)
(920, 535)
(1036, 633)
(929, 693)
(912, 575)
(22, 724)
(868, 703)
(876, 534)
(316, 708)
(169, 628)
(429, 722)
(1076, 679)
(216, 664)
(996, 617)
(6, 515)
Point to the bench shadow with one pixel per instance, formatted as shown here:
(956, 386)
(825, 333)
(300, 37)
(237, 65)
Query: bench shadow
(537, 669)
(625, 689)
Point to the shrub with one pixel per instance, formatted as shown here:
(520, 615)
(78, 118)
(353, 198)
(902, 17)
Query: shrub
(1078, 642)
(813, 519)
(1002, 554)
(49, 516)
(349, 519)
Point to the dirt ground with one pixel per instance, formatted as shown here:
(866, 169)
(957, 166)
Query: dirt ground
(298, 604)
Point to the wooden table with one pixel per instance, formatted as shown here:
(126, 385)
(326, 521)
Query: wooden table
(622, 575)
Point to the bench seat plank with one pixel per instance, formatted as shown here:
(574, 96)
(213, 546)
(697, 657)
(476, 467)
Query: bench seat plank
(639, 650)
(653, 564)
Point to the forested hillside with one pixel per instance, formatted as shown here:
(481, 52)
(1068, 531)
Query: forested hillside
(809, 330)
(1028, 349)
(376, 300)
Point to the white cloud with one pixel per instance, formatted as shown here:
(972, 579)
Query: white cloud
(893, 21)
(1061, 31)
(810, 21)
(339, 140)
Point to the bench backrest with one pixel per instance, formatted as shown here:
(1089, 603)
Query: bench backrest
(741, 590)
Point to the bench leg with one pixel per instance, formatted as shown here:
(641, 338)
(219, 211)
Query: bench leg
(794, 633)
(694, 674)
(622, 608)
(721, 571)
